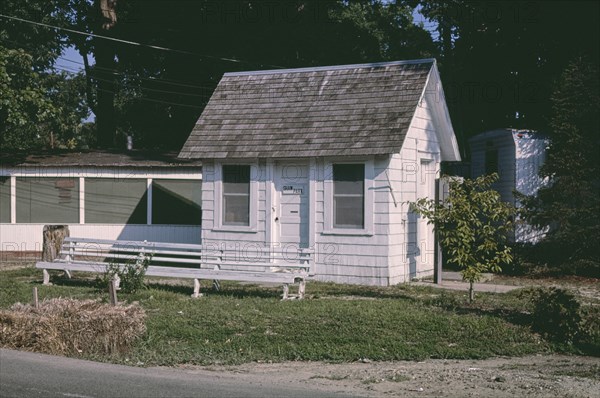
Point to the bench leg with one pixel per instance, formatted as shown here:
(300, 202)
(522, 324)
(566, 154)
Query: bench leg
(301, 289)
(117, 282)
(68, 273)
(46, 277)
(286, 291)
(196, 289)
(216, 285)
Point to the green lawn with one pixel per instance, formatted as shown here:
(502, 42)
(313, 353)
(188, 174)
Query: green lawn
(244, 323)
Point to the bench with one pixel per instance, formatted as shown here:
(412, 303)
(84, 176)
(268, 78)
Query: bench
(288, 265)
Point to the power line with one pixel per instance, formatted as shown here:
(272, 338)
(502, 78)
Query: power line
(134, 43)
(138, 98)
(71, 71)
(152, 79)
(155, 100)
(116, 72)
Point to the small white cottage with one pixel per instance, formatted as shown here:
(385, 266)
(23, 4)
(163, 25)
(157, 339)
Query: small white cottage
(325, 158)
(517, 156)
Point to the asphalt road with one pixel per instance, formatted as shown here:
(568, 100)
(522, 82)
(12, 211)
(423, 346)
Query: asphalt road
(24, 374)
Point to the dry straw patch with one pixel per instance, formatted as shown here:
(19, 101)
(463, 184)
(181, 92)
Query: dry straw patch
(72, 327)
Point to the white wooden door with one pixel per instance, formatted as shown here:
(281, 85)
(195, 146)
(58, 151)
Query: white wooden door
(291, 209)
(425, 189)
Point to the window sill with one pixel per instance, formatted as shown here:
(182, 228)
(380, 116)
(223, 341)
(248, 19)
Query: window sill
(347, 232)
(233, 228)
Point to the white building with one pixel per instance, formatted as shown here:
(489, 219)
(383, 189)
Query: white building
(326, 158)
(102, 195)
(517, 156)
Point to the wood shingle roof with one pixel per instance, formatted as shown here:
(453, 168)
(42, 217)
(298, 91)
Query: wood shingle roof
(325, 111)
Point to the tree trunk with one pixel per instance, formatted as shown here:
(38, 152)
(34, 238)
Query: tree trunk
(471, 292)
(54, 235)
(105, 68)
(105, 116)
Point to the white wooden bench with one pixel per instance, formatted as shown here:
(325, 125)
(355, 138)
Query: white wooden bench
(174, 260)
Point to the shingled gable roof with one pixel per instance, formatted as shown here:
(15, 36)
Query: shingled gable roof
(346, 110)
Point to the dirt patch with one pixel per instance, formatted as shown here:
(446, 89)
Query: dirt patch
(534, 376)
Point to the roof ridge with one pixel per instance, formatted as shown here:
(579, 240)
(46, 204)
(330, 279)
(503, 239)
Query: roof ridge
(332, 67)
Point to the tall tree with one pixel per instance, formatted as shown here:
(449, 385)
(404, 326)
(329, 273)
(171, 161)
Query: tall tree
(570, 205)
(159, 91)
(499, 59)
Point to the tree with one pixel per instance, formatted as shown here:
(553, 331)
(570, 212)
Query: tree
(472, 224)
(145, 92)
(569, 206)
(37, 109)
(499, 59)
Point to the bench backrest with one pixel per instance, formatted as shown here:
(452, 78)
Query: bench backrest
(184, 255)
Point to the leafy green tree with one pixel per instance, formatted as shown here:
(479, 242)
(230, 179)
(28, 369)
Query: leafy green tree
(37, 109)
(472, 224)
(570, 204)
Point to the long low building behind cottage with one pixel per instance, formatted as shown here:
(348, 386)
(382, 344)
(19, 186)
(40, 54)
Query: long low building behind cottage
(101, 194)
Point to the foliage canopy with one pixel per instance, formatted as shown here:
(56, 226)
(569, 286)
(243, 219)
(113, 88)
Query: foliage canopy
(472, 224)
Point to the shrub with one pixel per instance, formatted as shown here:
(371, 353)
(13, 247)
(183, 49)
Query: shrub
(131, 275)
(583, 267)
(556, 314)
(72, 327)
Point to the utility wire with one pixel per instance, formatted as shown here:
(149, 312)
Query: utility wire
(75, 72)
(133, 43)
(116, 72)
(154, 100)
(141, 98)
(152, 79)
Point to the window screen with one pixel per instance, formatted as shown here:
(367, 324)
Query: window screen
(236, 195)
(348, 195)
(4, 199)
(176, 202)
(113, 201)
(47, 200)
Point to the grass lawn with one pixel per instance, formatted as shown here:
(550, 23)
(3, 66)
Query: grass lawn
(244, 323)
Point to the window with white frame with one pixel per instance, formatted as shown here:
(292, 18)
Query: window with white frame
(349, 195)
(236, 194)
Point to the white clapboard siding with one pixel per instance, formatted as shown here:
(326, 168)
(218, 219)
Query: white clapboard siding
(411, 256)
(28, 237)
(382, 252)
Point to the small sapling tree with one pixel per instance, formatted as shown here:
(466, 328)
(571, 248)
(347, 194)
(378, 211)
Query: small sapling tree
(472, 224)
